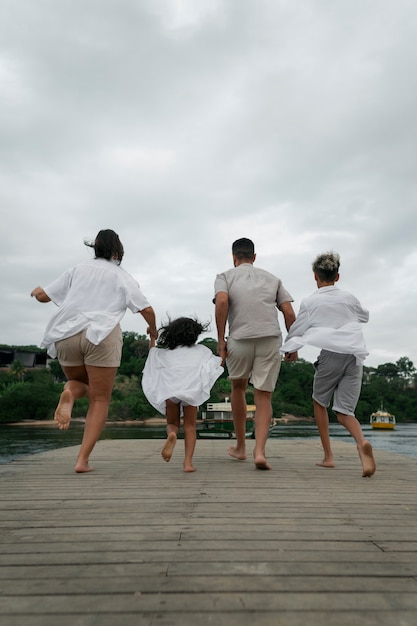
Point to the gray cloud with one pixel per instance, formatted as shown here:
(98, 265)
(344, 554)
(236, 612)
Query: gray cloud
(185, 125)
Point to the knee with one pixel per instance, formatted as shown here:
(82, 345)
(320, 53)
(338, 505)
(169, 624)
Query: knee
(262, 396)
(342, 418)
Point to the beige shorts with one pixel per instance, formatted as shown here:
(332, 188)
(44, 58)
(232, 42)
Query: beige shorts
(257, 360)
(77, 350)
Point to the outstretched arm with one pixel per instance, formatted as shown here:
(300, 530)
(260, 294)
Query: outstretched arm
(40, 295)
(222, 311)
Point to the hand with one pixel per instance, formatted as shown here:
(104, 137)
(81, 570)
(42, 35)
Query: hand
(40, 295)
(291, 356)
(153, 333)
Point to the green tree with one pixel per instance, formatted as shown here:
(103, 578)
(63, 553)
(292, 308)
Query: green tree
(134, 352)
(388, 370)
(293, 391)
(128, 400)
(17, 370)
(405, 367)
(28, 401)
(56, 371)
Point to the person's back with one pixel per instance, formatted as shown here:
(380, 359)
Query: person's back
(93, 295)
(185, 372)
(89, 285)
(333, 307)
(254, 297)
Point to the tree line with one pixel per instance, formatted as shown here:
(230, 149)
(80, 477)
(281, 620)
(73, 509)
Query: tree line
(32, 394)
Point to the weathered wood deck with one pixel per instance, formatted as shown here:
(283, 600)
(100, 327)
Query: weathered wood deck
(138, 542)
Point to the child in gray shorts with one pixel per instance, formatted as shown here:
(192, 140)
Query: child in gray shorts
(331, 319)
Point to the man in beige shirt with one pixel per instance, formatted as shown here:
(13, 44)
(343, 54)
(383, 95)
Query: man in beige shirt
(248, 299)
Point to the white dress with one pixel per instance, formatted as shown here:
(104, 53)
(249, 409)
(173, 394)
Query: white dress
(185, 373)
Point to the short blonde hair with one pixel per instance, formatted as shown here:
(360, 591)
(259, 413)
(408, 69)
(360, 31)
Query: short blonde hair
(326, 266)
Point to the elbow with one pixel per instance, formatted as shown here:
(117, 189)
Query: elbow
(147, 311)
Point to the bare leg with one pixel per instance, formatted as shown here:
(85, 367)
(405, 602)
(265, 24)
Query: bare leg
(173, 424)
(364, 447)
(76, 387)
(322, 421)
(263, 418)
(190, 436)
(101, 381)
(239, 419)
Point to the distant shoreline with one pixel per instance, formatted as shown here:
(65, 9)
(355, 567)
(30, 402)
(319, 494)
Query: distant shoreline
(292, 419)
(151, 421)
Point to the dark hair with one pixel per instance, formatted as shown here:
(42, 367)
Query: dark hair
(326, 266)
(107, 245)
(243, 248)
(183, 331)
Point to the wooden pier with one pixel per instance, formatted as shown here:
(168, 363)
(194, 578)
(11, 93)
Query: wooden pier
(139, 543)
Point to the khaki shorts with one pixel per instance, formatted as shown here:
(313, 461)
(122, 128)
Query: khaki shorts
(77, 350)
(257, 360)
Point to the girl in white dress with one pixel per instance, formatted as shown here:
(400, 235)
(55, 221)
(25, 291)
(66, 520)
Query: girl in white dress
(177, 378)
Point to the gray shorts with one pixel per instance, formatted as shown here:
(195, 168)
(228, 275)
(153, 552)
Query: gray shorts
(337, 374)
(77, 350)
(257, 360)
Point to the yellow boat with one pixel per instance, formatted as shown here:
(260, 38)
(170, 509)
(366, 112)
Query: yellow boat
(383, 420)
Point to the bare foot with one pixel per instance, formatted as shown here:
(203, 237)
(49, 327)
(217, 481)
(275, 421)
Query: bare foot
(261, 462)
(81, 467)
(63, 410)
(367, 459)
(169, 446)
(189, 467)
(326, 463)
(236, 454)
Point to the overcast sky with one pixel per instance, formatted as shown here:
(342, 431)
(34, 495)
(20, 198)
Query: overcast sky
(186, 124)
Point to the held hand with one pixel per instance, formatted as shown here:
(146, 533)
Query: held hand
(153, 333)
(291, 356)
(35, 292)
(40, 295)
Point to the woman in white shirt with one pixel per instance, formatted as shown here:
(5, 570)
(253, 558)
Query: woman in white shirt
(85, 334)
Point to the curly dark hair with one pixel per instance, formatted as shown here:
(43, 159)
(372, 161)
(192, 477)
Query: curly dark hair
(107, 245)
(183, 331)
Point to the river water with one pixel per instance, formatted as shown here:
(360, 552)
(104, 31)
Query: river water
(17, 442)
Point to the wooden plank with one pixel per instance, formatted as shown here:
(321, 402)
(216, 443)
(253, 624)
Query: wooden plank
(139, 541)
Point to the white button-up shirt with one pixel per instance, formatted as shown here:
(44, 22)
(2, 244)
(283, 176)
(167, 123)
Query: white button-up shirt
(329, 319)
(93, 295)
